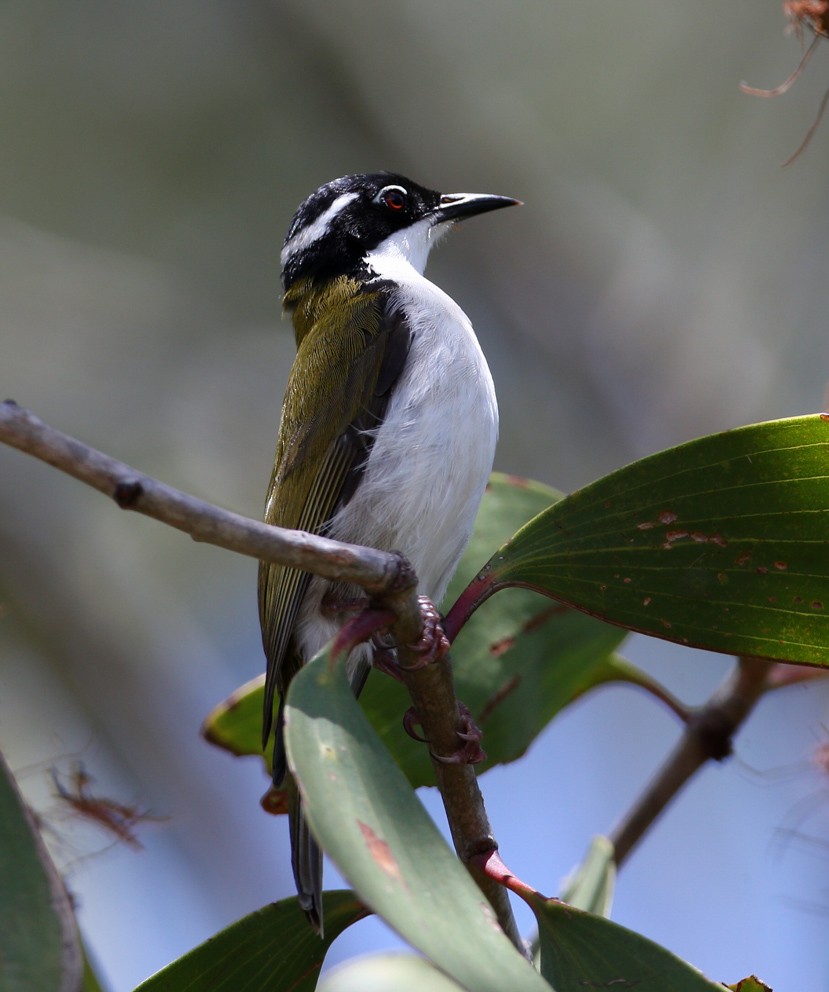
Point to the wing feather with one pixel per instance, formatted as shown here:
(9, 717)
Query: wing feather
(352, 353)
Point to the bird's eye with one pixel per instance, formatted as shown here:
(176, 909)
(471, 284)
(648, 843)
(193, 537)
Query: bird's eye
(393, 198)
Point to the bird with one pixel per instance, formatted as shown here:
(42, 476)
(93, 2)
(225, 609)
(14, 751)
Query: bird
(388, 428)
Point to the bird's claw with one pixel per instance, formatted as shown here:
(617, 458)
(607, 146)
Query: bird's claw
(433, 644)
(470, 751)
(410, 721)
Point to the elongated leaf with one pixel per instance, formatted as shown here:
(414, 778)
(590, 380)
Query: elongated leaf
(39, 947)
(517, 662)
(271, 950)
(235, 724)
(591, 885)
(368, 819)
(721, 543)
(579, 951)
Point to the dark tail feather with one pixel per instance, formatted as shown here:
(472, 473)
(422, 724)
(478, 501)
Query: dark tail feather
(306, 860)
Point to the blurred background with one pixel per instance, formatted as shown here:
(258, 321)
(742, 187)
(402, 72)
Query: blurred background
(665, 279)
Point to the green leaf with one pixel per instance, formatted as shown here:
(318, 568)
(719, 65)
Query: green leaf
(720, 543)
(579, 951)
(39, 947)
(366, 816)
(386, 972)
(516, 664)
(591, 885)
(271, 950)
(235, 724)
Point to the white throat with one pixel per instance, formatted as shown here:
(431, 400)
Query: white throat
(411, 245)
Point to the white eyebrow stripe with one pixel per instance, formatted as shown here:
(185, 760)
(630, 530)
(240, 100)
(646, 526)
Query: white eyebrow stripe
(318, 229)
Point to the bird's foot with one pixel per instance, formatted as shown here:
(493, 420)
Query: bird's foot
(433, 644)
(469, 752)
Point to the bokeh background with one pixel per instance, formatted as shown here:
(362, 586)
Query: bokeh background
(665, 279)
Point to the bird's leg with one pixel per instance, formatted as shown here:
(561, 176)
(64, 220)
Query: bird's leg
(433, 644)
(470, 751)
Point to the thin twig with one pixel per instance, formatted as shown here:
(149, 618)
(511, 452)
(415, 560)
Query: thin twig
(810, 133)
(708, 736)
(787, 83)
(374, 571)
(432, 692)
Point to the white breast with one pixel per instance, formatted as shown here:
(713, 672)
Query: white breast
(433, 453)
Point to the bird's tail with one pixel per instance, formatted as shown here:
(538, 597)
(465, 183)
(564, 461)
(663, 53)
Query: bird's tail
(306, 859)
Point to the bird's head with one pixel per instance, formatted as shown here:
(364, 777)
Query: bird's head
(348, 219)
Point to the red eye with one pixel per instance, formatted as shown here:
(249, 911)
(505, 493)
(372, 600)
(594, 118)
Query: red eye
(393, 197)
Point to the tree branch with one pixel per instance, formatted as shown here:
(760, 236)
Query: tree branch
(707, 736)
(375, 571)
(387, 577)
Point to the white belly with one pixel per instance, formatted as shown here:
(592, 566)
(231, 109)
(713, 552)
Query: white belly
(431, 457)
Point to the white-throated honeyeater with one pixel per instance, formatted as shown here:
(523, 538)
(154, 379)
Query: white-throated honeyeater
(388, 428)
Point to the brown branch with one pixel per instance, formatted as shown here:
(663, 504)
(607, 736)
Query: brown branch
(375, 571)
(432, 692)
(708, 736)
(388, 578)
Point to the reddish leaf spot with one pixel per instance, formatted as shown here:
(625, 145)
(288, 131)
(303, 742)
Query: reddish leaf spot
(672, 536)
(761, 570)
(647, 601)
(380, 852)
(781, 566)
(817, 605)
(497, 648)
(647, 525)
(668, 517)
(518, 481)
(497, 698)
(743, 559)
(540, 618)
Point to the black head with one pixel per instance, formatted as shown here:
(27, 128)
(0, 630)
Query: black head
(346, 219)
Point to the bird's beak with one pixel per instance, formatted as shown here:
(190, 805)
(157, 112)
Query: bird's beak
(458, 206)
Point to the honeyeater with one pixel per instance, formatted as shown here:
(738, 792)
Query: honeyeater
(388, 428)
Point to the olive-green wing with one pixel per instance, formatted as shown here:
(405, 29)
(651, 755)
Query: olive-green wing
(349, 366)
